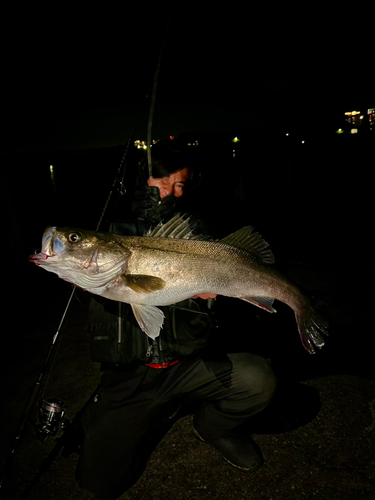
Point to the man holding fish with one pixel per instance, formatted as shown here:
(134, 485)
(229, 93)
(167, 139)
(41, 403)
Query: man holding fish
(157, 371)
(152, 335)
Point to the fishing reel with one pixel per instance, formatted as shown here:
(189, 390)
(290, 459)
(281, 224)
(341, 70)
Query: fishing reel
(51, 418)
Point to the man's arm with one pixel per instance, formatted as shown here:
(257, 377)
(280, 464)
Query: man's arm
(205, 296)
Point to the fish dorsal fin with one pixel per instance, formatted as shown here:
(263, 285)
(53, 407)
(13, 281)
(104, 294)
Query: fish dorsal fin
(179, 227)
(252, 242)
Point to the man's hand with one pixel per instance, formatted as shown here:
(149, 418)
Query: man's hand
(205, 296)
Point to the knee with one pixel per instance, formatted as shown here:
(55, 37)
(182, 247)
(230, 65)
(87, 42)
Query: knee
(257, 375)
(269, 381)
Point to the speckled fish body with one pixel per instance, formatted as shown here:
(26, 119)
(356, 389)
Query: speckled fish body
(171, 265)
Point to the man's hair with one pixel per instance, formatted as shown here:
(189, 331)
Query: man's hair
(166, 159)
(169, 156)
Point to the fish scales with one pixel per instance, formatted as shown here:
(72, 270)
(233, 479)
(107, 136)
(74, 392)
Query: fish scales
(161, 269)
(192, 267)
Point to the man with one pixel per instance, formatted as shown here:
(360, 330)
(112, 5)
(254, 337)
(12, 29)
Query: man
(143, 376)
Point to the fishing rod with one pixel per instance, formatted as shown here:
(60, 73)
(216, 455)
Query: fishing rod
(67, 442)
(52, 411)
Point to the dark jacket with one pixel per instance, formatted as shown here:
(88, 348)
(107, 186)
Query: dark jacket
(116, 338)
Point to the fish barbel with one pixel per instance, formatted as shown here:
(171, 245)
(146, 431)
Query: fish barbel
(170, 265)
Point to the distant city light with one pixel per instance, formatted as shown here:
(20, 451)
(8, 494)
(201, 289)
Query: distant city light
(140, 144)
(52, 176)
(356, 120)
(52, 173)
(371, 117)
(352, 122)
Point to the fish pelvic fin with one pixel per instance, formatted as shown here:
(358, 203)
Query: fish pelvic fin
(252, 242)
(262, 302)
(311, 327)
(150, 319)
(141, 283)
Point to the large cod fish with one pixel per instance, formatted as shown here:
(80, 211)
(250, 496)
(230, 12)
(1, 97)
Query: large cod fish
(170, 265)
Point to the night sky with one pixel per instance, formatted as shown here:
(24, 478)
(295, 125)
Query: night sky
(75, 78)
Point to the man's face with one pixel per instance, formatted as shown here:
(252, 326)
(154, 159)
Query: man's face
(174, 184)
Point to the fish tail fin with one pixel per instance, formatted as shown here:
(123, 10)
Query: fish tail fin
(311, 327)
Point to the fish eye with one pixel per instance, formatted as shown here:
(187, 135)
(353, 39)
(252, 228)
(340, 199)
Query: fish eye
(74, 237)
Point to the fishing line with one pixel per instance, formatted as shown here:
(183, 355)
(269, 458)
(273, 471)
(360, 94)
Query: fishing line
(55, 338)
(150, 118)
(122, 166)
(153, 96)
(152, 90)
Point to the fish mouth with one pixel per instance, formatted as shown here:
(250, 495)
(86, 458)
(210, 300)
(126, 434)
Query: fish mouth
(52, 246)
(36, 257)
(96, 272)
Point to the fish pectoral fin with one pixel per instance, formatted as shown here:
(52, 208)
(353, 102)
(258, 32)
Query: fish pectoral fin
(262, 302)
(141, 283)
(150, 319)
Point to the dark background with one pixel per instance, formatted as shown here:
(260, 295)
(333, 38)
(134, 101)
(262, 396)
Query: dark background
(78, 77)
(75, 86)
